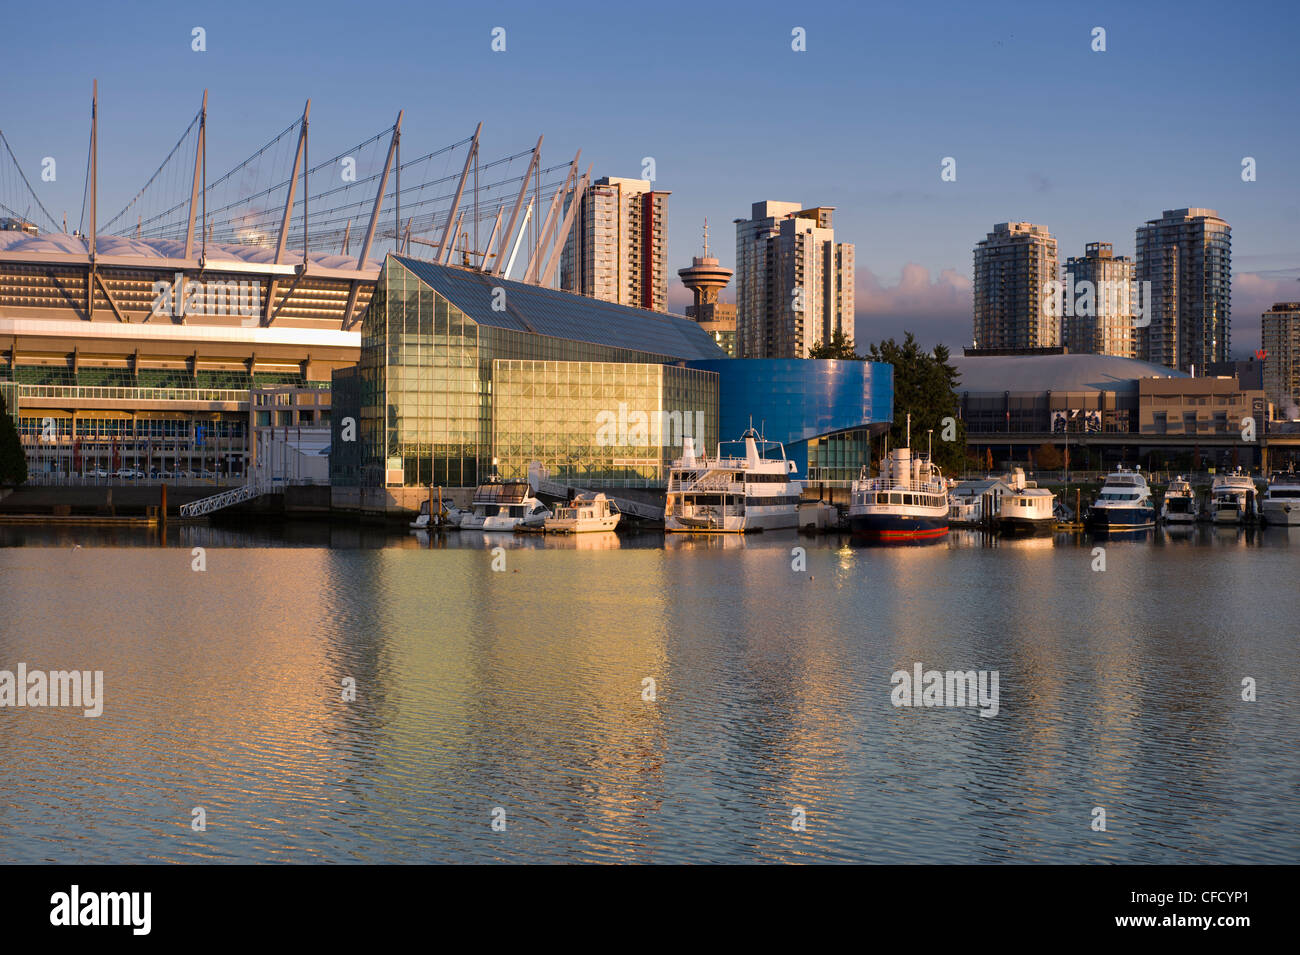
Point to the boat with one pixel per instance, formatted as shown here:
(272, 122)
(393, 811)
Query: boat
(732, 495)
(908, 501)
(1179, 506)
(1027, 509)
(1233, 498)
(450, 516)
(974, 503)
(503, 506)
(585, 513)
(1281, 504)
(965, 506)
(1123, 505)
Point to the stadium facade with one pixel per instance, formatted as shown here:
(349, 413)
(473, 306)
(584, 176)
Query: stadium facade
(140, 357)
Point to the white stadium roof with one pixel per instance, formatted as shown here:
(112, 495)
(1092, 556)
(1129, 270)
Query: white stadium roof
(118, 247)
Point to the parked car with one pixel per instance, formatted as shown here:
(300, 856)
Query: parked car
(97, 473)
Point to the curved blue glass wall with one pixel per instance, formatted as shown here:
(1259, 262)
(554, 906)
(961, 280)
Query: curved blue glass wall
(796, 401)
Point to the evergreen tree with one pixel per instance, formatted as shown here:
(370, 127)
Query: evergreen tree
(840, 346)
(925, 386)
(13, 462)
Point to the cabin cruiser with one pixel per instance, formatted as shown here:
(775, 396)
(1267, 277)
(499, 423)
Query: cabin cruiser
(1123, 505)
(907, 502)
(1027, 509)
(1233, 498)
(586, 512)
(503, 506)
(1281, 504)
(735, 495)
(1179, 506)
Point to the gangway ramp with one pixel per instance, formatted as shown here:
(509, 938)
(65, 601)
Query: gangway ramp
(215, 502)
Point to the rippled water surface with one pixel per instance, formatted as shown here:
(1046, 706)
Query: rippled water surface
(523, 689)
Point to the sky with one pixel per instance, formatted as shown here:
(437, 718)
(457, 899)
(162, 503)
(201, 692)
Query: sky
(1042, 127)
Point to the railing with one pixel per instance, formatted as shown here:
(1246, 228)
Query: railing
(101, 392)
(66, 479)
(712, 481)
(889, 484)
(216, 502)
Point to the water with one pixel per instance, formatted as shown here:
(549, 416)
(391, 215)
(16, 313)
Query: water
(522, 689)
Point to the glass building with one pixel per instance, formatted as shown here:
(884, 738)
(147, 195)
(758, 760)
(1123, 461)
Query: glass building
(434, 339)
(600, 424)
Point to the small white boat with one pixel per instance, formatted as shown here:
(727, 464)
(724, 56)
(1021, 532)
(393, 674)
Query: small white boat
(1281, 504)
(1179, 506)
(585, 513)
(451, 516)
(1027, 509)
(503, 506)
(1233, 498)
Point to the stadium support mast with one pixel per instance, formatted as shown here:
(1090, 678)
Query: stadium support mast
(200, 161)
(553, 259)
(293, 185)
(273, 286)
(519, 202)
(374, 219)
(535, 264)
(448, 233)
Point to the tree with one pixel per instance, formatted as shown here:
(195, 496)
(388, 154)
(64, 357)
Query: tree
(925, 386)
(13, 462)
(1048, 457)
(840, 346)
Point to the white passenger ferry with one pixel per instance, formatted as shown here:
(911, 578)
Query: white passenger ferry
(732, 495)
(907, 502)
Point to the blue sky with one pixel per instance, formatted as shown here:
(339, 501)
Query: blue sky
(1042, 128)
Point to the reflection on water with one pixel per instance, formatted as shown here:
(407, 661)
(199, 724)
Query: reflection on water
(524, 689)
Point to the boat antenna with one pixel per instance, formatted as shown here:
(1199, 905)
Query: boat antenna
(929, 451)
(909, 429)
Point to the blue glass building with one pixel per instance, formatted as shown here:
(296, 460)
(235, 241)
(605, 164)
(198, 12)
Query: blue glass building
(824, 411)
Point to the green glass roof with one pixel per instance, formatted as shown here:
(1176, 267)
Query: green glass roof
(547, 311)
